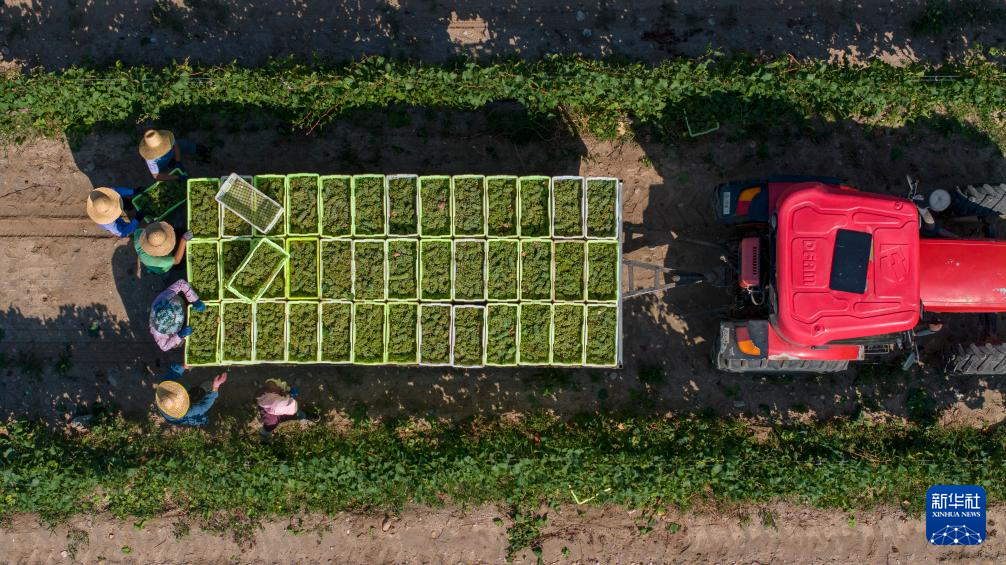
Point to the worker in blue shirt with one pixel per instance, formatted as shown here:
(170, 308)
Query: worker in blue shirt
(186, 407)
(105, 206)
(163, 154)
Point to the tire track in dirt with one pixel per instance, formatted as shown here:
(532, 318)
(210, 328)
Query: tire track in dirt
(50, 226)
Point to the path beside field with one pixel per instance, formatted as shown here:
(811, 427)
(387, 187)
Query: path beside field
(155, 32)
(775, 534)
(63, 277)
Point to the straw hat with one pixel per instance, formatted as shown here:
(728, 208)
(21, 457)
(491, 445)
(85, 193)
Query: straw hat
(158, 239)
(172, 399)
(156, 143)
(104, 205)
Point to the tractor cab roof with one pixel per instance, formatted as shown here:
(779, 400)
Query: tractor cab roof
(847, 264)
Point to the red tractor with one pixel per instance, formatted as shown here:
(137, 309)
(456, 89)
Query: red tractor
(829, 274)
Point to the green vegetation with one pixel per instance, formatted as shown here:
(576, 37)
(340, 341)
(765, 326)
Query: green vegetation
(336, 206)
(569, 256)
(201, 346)
(278, 287)
(402, 266)
(368, 345)
(602, 197)
(502, 270)
(436, 336)
(650, 464)
(234, 252)
(596, 96)
(502, 195)
(237, 326)
(234, 225)
(369, 263)
(501, 341)
(535, 320)
(203, 260)
(273, 186)
(435, 269)
(536, 269)
(534, 203)
(469, 205)
(302, 270)
(402, 194)
(469, 274)
(602, 270)
(567, 345)
(302, 206)
(251, 279)
(435, 194)
(602, 332)
(468, 347)
(303, 331)
(567, 205)
(160, 198)
(337, 269)
(368, 204)
(270, 331)
(402, 337)
(204, 210)
(335, 331)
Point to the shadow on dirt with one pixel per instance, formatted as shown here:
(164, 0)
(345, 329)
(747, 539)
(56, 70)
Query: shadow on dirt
(155, 32)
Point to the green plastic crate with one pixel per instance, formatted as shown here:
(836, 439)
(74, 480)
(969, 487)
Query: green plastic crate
(494, 315)
(190, 252)
(433, 204)
(307, 307)
(447, 339)
(216, 206)
(390, 199)
(211, 310)
(326, 306)
(279, 227)
(317, 268)
(394, 311)
(534, 328)
(338, 229)
(360, 317)
(144, 200)
(460, 312)
(524, 207)
(290, 230)
(562, 339)
(260, 337)
(268, 281)
(455, 231)
(236, 304)
(358, 215)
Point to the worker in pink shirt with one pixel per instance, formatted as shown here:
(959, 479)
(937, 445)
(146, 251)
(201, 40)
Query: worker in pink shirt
(276, 403)
(167, 314)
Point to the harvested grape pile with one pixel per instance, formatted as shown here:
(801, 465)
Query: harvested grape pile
(465, 271)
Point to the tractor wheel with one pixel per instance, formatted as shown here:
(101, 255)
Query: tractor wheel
(785, 366)
(976, 359)
(979, 200)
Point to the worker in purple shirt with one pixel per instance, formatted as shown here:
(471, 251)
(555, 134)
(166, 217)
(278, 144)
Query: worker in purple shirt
(167, 314)
(163, 154)
(186, 407)
(106, 207)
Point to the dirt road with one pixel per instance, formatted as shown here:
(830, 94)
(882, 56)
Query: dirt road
(773, 534)
(155, 32)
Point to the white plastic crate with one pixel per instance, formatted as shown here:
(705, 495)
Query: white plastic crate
(249, 203)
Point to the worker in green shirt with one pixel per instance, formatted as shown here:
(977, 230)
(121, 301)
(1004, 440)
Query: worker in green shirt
(155, 243)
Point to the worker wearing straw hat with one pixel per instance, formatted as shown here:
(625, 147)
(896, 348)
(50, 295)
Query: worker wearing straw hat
(163, 153)
(155, 243)
(167, 314)
(105, 206)
(186, 407)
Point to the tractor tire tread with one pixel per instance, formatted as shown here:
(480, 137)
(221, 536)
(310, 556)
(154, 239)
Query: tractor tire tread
(979, 200)
(780, 366)
(976, 359)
